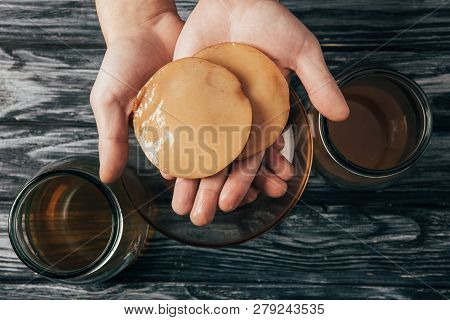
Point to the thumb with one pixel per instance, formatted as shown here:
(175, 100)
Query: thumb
(112, 125)
(320, 85)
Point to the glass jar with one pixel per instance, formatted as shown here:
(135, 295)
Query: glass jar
(406, 131)
(68, 226)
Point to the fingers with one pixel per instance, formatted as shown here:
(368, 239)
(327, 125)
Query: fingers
(201, 197)
(113, 156)
(269, 183)
(251, 196)
(237, 189)
(279, 165)
(184, 195)
(239, 181)
(207, 197)
(272, 178)
(112, 125)
(320, 85)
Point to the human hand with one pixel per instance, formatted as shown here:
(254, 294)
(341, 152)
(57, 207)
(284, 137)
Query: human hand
(140, 37)
(271, 28)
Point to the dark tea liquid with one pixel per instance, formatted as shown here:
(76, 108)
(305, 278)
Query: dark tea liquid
(382, 129)
(69, 222)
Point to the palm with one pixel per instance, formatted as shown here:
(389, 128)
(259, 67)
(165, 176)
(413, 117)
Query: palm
(262, 24)
(215, 22)
(268, 26)
(128, 63)
(126, 67)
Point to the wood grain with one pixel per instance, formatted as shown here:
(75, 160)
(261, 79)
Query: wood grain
(29, 146)
(53, 85)
(190, 290)
(392, 244)
(358, 24)
(341, 246)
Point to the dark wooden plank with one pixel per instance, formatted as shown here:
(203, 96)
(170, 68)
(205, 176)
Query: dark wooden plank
(43, 143)
(53, 85)
(331, 254)
(30, 146)
(48, 85)
(189, 290)
(361, 24)
(369, 24)
(64, 23)
(346, 245)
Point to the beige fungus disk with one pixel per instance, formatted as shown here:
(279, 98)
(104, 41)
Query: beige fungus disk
(265, 86)
(192, 118)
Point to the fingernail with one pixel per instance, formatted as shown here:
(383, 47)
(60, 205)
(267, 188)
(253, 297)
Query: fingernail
(195, 210)
(199, 205)
(201, 213)
(226, 204)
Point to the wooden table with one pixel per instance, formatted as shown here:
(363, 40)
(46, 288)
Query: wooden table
(392, 244)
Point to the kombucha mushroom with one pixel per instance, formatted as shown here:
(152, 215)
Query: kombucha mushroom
(263, 83)
(192, 118)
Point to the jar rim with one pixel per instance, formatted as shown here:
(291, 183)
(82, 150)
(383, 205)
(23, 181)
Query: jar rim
(425, 135)
(15, 219)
